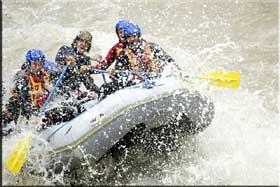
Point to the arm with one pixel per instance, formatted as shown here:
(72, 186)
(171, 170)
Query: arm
(61, 56)
(110, 58)
(19, 101)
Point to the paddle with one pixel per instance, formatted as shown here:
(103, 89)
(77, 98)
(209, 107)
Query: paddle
(230, 79)
(18, 156)
(54, 89)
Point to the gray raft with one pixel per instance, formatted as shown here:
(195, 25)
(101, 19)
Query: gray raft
(171, 103)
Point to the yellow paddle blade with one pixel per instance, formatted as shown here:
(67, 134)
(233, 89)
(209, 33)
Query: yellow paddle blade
(229, 79)
(18, 156)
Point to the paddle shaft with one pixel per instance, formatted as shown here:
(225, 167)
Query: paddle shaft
(54, 89)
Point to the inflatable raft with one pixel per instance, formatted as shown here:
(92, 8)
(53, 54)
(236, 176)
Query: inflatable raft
(170, 103)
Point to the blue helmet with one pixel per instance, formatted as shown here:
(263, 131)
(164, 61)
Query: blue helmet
(132, 30)
(49, 65)
(138, 30)
(33, 55)
(121, 24)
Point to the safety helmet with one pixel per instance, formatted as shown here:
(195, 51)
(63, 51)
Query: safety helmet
(84, 35)
(131, 30)
(33, 55)
(121, 24)
(138, 30)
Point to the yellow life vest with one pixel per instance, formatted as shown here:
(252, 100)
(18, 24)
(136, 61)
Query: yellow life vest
(38, 92)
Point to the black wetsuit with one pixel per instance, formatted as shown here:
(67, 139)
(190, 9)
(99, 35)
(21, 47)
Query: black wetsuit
(73, 78)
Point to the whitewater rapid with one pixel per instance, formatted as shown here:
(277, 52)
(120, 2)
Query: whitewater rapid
(241, 144)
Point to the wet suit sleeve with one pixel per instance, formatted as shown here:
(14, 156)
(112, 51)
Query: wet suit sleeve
(62, 53)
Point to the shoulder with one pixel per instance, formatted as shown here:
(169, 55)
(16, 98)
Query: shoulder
(20, 79)
(48, 65)
(64, 49)
(118, 46)
(23, 73)
(154, 45)
(116, 49)
(156, 49)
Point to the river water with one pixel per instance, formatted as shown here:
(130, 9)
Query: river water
(241, 146)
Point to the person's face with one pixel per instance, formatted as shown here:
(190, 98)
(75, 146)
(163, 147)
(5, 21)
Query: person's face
(36, 66)
(120, 34)
(82, 46)
(132, 40)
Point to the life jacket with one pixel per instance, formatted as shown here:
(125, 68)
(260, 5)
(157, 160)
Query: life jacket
(37, 91)
(117, 49)
(139, 58)
(122, 57)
